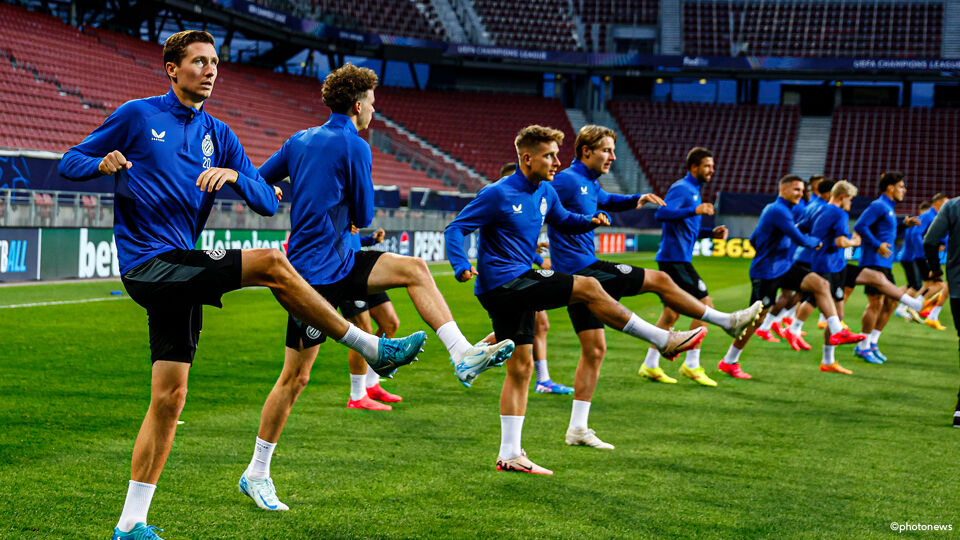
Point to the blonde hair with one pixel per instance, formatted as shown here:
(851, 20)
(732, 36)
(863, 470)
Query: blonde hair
(590, 136)
(531, 136)
(843, 188)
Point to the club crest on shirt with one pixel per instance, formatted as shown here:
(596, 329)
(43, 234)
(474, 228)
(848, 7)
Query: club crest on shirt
(543, 206)
(207, 145)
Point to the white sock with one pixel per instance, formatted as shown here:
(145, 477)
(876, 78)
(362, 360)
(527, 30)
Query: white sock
(365, 344)
(767, 322)
(640, 328)
(911, 302)
(511, 429)
(935, 313)
(733, 355)
(792, 312)
(652, 360)
(357, 389)
(372, 379)
(821, 319)
(827, 355)
(718, 318)
(579, 414)
(136, 506)
(543, 373)
(259, 467)
(692, 359)
(796, 327)
(453, 339)
(834, 324)
(874, 337)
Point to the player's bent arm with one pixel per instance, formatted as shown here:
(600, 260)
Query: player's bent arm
(862, 226)
(477, 213)
(678, 206)
(259, 196)
(359, 183)
(789, 228)
(931, 241)
(82, 162)
(615, 202)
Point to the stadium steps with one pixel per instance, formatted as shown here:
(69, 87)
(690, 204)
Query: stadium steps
(447, 158)
(810, 148)
(629, 174)
(951, 39)
(670, 24)
(448, 18)
(610, 181)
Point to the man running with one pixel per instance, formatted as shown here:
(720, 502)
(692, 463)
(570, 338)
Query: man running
(169, 158)
(330, 171)
(510, 214)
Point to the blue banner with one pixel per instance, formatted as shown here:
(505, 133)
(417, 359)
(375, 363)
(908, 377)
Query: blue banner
(19, 254)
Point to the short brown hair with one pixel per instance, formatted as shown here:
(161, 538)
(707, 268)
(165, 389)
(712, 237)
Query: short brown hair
(508, 169)
(590, 136)
(697, 155)
(843, 188)
(347, 85)
(790, 178)
(938, 197)
(925, 205)
(890, 178)
(175, 48)
(531, 136)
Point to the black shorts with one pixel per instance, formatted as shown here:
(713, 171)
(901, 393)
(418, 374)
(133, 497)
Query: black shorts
(172, 287)
(301, 335)
(512, 305)
(923, 268)
(871, 291)
(765, 290)
(850, 273)
(618, 280)
(352, 308)
(686, 277)
(837, 281)
(912, 271)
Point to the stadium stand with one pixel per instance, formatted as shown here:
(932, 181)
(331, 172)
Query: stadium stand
(476, 128)
(788, 28)
(409, 18)
(601, 16)
(52, 100)
(923, 143)
(530, 24)
(753, 144)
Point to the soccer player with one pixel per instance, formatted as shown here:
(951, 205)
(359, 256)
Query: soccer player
(365, 389)
(680, 217)
(877, 226)
(169, 158)
(510, 214)
(933, 291)
(771, 270)
(330, 168)
(910, 254)
(946, 223)
(578, 190)
(832, 226)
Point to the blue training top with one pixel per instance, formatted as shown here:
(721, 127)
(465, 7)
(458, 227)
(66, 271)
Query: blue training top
(680, 221)
(330, 170)
(831, 223)
(158, 205)
(509, 214)
(772, 238)
(580, 192)
(877, 225)
(805, 224)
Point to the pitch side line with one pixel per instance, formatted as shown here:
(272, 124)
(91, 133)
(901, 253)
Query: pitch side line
(61, 302)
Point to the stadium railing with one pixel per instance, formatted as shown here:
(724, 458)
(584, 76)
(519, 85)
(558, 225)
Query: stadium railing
(420, 160)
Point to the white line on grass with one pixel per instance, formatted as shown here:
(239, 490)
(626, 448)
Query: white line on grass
(61, 302)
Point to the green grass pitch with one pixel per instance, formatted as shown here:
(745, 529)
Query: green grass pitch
(792, 453)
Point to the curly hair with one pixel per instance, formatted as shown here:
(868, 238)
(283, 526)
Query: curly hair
(347, 85)
(531, 136)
